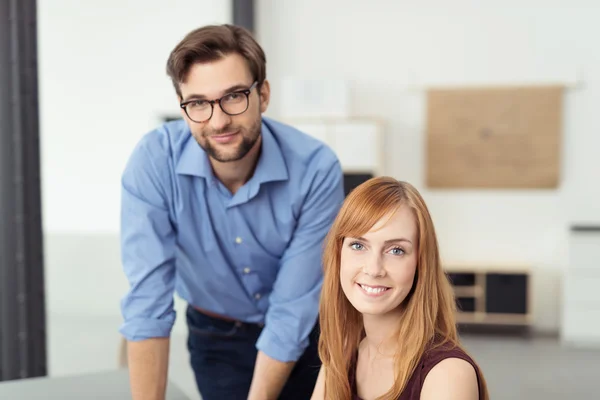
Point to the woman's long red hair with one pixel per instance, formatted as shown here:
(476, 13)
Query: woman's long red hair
(429, 310)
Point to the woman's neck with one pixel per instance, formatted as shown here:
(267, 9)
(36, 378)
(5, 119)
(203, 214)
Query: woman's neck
(381, 340)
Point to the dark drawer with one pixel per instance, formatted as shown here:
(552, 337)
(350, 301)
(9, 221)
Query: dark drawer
(465, 304)
(352, 180)
(461, 279)
(506, 293)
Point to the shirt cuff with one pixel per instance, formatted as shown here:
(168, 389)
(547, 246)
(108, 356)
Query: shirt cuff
(272, 345)
(137, 329)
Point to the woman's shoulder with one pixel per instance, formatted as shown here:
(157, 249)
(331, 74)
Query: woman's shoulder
(440, 350)
(449, 368)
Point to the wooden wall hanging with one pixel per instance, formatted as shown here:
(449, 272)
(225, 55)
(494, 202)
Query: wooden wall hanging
(506, 137)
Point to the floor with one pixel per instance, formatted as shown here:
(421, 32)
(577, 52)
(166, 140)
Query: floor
(515, 367)
(535, 368)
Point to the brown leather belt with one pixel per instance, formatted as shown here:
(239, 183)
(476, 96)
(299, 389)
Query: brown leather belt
(215, 315)
(225, 318)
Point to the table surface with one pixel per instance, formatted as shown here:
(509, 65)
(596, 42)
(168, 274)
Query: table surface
(113, 385)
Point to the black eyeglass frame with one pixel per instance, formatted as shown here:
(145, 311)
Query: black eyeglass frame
(245, 92)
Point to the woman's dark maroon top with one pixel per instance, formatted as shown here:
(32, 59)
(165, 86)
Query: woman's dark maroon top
(427, 362)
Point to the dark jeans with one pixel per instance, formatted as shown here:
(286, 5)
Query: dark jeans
(222, 355)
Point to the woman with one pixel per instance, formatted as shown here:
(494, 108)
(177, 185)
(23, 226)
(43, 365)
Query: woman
(387, 311)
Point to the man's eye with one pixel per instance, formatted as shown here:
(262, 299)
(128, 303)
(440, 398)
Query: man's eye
(233, 98)
(198, 104)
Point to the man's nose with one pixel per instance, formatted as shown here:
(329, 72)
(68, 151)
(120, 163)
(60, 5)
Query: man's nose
(219, 119)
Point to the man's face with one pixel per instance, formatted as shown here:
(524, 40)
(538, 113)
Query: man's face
(225, 137)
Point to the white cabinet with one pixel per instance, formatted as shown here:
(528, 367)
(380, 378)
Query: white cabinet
(581, 289)
(358, 145)
(358, 142)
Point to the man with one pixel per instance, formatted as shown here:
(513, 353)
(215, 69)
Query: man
(229, 209)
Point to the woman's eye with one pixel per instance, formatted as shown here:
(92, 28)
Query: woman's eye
(356, 246)
(397, 251)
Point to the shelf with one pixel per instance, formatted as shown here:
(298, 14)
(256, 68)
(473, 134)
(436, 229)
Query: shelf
(491, 294)
(586, 228)
(468, 291)
(493, 319)
(487, 268)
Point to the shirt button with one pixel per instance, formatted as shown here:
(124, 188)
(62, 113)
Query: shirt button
(246, 270)
(238, 240)
(257, 296)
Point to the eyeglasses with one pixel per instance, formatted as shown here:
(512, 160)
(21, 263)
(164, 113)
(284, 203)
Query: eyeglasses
(234, 103)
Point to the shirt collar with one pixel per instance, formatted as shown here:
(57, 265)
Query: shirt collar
(270, 167)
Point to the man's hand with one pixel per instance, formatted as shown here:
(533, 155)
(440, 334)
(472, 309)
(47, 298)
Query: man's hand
(269, 377)
(148, 366)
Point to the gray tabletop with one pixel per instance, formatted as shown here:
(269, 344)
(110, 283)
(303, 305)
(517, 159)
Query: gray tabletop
(112, 385)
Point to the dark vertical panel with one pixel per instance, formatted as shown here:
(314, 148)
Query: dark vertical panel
(22, 299)
(243, 14)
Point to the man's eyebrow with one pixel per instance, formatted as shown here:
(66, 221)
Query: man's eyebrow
(234, 88)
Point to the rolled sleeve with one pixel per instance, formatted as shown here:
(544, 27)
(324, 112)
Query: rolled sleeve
(294, 300)
(278, 346)
(147, 245)
(137, 329)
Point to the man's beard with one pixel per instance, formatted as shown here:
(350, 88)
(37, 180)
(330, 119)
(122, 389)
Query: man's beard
(249, 138)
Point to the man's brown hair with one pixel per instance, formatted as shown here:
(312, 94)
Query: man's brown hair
(210, 43)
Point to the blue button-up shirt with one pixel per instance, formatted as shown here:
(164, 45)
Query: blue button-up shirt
(254, 256)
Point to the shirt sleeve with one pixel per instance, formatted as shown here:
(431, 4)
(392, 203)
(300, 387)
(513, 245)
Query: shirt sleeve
(294, 300)
(147, 244)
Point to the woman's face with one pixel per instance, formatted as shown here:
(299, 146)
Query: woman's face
(378, 269)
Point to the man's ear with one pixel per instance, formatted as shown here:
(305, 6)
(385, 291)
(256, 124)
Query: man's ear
(181, 110)
(265, 95)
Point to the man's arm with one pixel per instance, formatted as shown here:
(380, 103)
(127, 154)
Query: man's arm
(147, 251)
(294, 301)
(148, 368)
(270, 375)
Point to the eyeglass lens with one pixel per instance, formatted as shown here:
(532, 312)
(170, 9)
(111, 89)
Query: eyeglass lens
(232, 104)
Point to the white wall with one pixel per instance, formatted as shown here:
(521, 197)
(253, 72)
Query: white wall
(107, 58)
(383, 46)
(102, 86)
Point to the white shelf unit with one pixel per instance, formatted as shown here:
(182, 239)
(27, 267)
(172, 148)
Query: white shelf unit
(358, 142)
(580, 325)
(481, 291)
